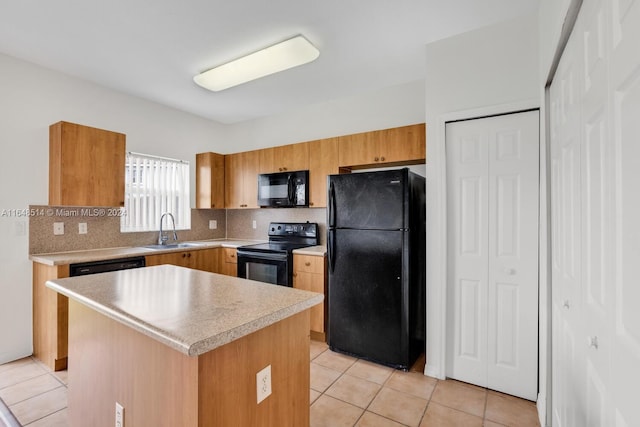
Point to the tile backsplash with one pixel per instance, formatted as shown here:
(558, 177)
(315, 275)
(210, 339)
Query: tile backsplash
(103, 231)
(240, 221)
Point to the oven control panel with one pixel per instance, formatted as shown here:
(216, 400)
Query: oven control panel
(299, 229)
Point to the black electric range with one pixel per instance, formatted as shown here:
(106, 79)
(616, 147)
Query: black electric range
(272, 262)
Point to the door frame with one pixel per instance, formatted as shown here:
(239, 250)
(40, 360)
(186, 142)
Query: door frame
(436, 343)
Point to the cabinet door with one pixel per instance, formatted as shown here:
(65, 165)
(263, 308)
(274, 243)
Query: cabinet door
(86, 166)
(241, 179)
(323, 161)
(205, 260)
(293, 157)
(358, 149)
(250, 170)
(267, 163)
(402, 144)
(233, 180)
(227, 261)
(309, 276)
(210, 181)
(181, 259)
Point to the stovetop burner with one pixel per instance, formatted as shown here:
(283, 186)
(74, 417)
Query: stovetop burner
(287, 236)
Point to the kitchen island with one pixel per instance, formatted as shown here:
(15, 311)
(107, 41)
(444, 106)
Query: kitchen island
(182, 347)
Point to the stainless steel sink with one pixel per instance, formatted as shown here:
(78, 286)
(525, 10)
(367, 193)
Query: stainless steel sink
(174, 246)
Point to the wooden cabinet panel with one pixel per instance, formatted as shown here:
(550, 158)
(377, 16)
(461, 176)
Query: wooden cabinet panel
(388, 147)
(210, 181)
(292, 157)
(86, 166)
(358, 149)
(228, 262)
(309, 275)
(323, 161)
(203, 259)
(241, 179)
(403, 143)
(50, 317)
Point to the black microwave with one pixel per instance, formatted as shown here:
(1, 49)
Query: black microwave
(283, 189)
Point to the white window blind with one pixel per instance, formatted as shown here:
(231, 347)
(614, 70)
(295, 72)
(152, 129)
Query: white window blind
(153, 186)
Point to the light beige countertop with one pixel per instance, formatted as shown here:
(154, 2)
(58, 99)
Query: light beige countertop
(189, 310)
(319, 250)
(62, 258)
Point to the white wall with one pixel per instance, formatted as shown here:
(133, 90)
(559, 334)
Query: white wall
(486, 71)
(32, 99)
(394, 106)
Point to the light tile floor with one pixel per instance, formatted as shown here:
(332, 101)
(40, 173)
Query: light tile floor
(345, 391)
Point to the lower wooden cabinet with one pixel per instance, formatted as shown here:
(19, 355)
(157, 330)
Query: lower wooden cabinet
(201, 259)
(50, 317)
(309, 275)
(228, 262)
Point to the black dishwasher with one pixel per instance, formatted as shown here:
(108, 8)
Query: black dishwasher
(84, 268)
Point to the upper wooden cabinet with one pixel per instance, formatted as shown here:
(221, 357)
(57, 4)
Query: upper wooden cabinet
(293, 157)
(210, 181)
(323, 161)
(241, 179)
(86, 166)
(387, 147)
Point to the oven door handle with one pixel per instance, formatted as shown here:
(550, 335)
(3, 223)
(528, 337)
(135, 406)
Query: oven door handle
(261, 255)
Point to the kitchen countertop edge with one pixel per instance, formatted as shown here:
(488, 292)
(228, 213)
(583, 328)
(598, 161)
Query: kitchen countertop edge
(89, 255)
(203, 344)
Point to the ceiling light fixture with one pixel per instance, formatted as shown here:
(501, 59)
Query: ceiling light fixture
(278, 57)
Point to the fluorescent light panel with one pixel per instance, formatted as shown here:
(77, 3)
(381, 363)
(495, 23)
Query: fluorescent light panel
(279, 57)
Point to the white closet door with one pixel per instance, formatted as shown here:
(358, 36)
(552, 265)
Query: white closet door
(492, 167)
(595, 163)
(625, 100)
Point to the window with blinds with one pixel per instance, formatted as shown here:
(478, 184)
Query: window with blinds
(153, 186)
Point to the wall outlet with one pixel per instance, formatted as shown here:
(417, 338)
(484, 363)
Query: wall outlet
(58, 228)
(213, 224)
(82, 228)
(119, 415)
(255, 224)
(263, 383)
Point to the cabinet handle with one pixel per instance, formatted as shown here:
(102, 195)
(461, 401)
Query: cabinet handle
(213, 205)
(375, 159)
(232, 256)
(189, 255)
(307, 263)
(566, 304)
(284, 169)
(382, 159)
(295, 274)
(593, 342)
(280, 169)
(184, 255)
(310, 203)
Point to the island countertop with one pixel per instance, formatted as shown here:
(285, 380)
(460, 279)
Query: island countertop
(188, 310)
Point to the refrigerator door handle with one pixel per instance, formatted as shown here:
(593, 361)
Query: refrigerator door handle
(331, 246)
(332, 206)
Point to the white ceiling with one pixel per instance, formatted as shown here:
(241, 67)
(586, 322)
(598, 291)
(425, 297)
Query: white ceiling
(153, 48)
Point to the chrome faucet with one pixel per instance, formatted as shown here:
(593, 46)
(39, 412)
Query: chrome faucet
(162, 238)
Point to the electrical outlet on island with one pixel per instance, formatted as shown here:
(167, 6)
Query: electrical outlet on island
(263, 383)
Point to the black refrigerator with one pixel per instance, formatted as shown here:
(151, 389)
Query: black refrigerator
(376, 256)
